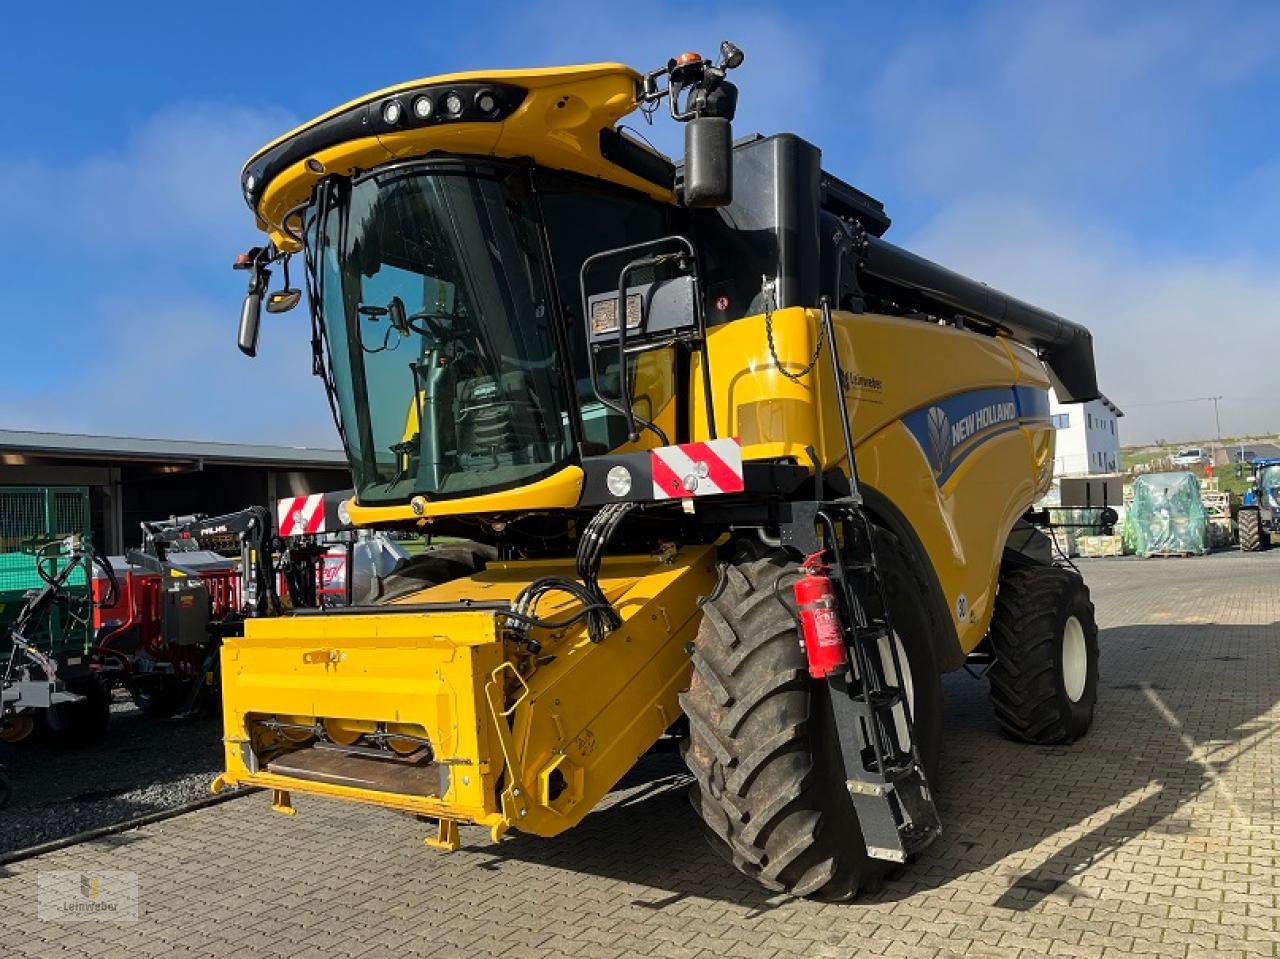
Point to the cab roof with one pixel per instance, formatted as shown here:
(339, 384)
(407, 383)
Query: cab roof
(558, 117)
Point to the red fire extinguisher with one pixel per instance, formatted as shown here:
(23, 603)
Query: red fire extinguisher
(820, 619)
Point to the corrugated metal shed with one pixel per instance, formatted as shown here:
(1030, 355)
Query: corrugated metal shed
(78, 446)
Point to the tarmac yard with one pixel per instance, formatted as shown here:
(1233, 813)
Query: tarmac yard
(1157, 835)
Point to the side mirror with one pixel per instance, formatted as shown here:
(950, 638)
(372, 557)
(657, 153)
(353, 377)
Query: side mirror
(251, 311)
(250, 320)
(708, 162)
(397, 317)
(282, 301)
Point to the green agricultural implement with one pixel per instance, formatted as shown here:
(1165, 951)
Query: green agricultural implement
(46, 616)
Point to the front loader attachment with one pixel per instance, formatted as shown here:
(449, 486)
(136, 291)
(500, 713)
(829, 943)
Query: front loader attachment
(433, 705)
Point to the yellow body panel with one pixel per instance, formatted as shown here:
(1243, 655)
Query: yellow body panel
(893, 366)
(559, 490)
(557, 126)
(531, 742)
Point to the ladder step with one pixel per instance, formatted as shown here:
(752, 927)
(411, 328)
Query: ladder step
(871, 633)
(896, 812)
(883, 699)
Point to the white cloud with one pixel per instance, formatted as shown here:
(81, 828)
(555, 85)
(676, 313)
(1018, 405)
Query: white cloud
(782, 65)
(168, 366)
(170, 190)
(1062, 99)
(148, 304)
(1037, 150)
(1165, 327)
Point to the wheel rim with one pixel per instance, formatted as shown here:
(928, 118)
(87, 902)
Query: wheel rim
(1075, 660)
(886, 663)
(16, 728)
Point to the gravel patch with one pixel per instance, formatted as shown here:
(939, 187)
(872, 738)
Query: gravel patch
(143, 766)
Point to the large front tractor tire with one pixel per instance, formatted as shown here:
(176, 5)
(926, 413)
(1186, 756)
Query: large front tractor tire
(1249, 530)
(1044, 643)
(769, 782)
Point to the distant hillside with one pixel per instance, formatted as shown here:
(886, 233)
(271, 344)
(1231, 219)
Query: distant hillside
(1156, 457)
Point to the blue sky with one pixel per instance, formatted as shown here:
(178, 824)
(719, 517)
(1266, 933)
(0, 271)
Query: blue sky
(1118, 163)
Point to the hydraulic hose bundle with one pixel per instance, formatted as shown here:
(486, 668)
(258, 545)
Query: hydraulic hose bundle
(599, 613)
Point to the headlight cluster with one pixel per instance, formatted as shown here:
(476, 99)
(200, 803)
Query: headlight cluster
(467, 102)
(410, 109)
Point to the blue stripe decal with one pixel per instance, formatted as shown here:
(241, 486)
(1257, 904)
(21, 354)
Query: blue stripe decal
(949, 430)
(1033, 404)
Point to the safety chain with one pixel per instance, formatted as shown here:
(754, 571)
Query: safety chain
(768, 287)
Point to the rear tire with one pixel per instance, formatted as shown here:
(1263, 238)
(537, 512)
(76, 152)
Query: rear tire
(1249, 530)
(1044, 677)
(439, 564)
(159, 700)
(769, 782)
(14, 728)
(84, 722)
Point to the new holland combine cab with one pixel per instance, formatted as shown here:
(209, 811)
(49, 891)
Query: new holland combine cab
(713, 460)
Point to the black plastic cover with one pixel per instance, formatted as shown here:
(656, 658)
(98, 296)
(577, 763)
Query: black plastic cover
(1065, 347)
(708, 167)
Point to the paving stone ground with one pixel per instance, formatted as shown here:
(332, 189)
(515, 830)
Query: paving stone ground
(1157, 835)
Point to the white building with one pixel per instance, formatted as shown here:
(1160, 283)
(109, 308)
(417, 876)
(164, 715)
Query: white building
(1088, 438)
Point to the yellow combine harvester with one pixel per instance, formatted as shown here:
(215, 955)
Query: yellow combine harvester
(626, 395)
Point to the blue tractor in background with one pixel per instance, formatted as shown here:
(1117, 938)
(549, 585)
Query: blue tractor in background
(1257, 517)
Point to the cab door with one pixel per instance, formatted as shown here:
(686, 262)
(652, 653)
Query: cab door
(584, 218)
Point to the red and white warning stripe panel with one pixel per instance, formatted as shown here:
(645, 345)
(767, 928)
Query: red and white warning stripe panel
(697, 469)
(300, 515)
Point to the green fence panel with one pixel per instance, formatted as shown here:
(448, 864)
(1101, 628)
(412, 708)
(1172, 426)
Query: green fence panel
(33, 522)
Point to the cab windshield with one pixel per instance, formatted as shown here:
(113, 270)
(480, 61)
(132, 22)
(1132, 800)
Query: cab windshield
(1269, 479)
(443, 348)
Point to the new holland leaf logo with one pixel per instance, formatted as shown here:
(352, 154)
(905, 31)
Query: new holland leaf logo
(939, 439)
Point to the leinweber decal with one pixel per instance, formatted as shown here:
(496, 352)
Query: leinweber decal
(864, 388)
(860, 381)
(948, 431)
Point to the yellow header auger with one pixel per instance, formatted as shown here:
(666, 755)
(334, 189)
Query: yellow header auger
(702, 454)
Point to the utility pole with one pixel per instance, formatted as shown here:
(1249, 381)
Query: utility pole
(1217, 422)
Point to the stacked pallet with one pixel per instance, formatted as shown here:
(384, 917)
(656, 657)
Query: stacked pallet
(1095, 546)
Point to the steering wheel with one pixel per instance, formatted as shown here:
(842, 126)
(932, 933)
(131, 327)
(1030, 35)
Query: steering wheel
(435, 328)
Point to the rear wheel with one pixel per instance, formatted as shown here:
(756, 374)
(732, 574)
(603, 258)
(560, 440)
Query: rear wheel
(1044, 640)
(159, 699)
(769, 781)
(16, 727)
(1249, 530)
(84, 722)
(439, 564)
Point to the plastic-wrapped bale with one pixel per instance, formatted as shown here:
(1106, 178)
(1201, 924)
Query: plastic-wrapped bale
(1167, 516)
